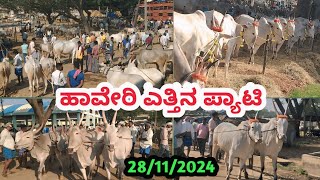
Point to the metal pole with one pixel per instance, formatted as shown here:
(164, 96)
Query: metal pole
(145, 16)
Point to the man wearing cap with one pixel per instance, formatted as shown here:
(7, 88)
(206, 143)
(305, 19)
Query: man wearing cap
(189, 133)
(134, 133)
(146, 141)
(7, 144)
(213, 123)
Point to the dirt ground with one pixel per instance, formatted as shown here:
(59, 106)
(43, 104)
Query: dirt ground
(282, 75)
(53, 171)
(289, 163)
(91, 80)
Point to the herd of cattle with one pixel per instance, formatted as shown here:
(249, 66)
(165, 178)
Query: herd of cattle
(208, 34)
(241, 141)
(84, 146)
(43, 68)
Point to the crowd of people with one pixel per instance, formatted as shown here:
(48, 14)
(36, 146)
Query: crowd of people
(194, 132)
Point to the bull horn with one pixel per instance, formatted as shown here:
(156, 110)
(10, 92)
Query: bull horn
(104, 119)
(255, 117)
(69, 120)
(274, 106)
(39, 129)
(82, 116)
(285, 112)
(114, 118)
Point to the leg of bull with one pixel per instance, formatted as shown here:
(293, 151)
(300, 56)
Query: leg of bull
(262, 159)
(231, 158)
(45, 85)
(274, 164)
(241, 165)
(108, 170)
(58, 155)
(215, 149)
(84, 174)
(41, 168)
(226, 160)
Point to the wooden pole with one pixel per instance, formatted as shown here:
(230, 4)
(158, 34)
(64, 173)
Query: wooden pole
(265, 55)
(295, 58)
(145, 16)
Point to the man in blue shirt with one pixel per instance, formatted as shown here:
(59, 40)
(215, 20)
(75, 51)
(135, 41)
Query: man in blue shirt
(75, 77)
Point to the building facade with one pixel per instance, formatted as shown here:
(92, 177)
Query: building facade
(158, 10)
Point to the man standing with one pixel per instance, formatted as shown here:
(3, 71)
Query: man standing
(134, 133)
(7, 144)
(126, 45)
(189, 134)
(133, 40)
(17, 62)
(95, 57)
(164, 144)
(195, 125)
(164, 41)
(149, 42)
(203, 132)
(178, 134)
(146, 141)
(111, 48)
(213, 123)
(75, 77)
(58, 79)
(22, 152)
(24, 36)
(24, 49)
(79, 55)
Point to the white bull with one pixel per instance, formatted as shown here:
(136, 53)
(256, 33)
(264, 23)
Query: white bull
(5, 71)
(85, 148)
(304, 28)
(47, 67)
(236, 141)
(288, 30)
(193, 35)
(40, 147)
(232, 32)
(118, 144)
(65, 47)
(34, 73)
(117, 77)
(152, 75)
(156, 56)
(117, 38)
(270, 28)
(48, 48)
(274, 134)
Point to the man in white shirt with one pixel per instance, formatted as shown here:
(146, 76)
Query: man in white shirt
(133, 40)
(146, 141)
(134, 133)
(195, 143)
(189, 134)
(178, 134)
(164, 41)
(7, 144)
(17, 62)
(58, 79)
(22, 152)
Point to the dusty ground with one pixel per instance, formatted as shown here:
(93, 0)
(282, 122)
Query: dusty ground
(91, 80)
(289, 163)
(53, 171)
(282, 75)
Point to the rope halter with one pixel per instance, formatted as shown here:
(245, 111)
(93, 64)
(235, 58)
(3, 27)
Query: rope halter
(280, 116)
(199, 77)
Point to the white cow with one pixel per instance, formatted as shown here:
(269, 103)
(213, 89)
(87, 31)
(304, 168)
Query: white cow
(288, 30)
(85, 147)
(47, 67)
(5, 71)
(232, 33)
(156, 56)
(48, 48)
(130, 30)
(34, 73)
(193, 35)
(117, 77)
(236, 141)
(152, 75)
(303, 29)
(118, 144)
(266, 27)
(65, 47)
(274, 134)
(117, 38)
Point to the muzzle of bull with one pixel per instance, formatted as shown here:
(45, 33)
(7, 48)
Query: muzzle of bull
(282, 137)
(110, 147)
(70, 150)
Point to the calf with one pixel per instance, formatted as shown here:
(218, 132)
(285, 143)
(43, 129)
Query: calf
(5, 71)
